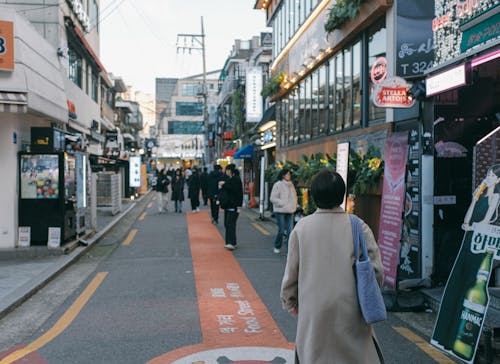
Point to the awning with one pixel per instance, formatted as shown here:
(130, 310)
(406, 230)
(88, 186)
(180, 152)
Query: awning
(245, 152)
(15, 102)
(229, 153)
(269, 116)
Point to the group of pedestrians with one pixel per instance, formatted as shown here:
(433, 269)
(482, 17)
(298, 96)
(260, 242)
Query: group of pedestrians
(175, 181)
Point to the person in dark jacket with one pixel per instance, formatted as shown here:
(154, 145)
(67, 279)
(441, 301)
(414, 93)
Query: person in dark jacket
(162, 182)
(231, 199)
(178, 190)
(194, 190)
(204, 185)
(213, 180)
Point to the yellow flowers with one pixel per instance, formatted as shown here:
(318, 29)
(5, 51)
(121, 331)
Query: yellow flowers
(374, 163)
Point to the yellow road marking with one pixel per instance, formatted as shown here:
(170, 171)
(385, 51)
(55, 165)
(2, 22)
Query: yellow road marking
(261, 229)
(142, 216)
(130, 237)
(61, 325)
(150, 204)
(424, 345)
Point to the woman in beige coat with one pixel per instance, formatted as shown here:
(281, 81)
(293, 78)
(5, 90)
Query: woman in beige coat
(318, 283)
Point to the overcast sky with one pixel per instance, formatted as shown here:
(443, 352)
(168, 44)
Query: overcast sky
(138, 38)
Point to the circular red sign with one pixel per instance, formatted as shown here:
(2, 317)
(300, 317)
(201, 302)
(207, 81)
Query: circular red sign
(379, 70)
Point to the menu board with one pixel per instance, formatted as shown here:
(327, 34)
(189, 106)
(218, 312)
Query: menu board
(410, 256)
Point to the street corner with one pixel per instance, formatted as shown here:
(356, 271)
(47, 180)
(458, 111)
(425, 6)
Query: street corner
(240, 355)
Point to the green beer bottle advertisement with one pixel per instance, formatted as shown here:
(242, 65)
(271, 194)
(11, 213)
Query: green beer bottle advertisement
(473, 311)
(464, 304)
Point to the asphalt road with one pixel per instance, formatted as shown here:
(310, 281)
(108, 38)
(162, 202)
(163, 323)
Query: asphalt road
(141, 296)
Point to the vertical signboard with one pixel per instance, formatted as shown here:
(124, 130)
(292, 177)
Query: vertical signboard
(410, 266)
(393, 194)
(135, 171)
(465, 300)
(6, 45)
(252, 92)
(415, 50)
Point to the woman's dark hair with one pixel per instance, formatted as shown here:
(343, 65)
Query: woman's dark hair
(327, 189)
(282, 173)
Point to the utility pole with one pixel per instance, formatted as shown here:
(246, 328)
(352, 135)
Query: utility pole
(189, 42)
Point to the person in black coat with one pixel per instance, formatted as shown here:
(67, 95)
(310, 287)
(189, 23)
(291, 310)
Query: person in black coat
(162, 182)
(231, 199)
(213, 180)
(194, 190)
(204, 185)
(178, 190)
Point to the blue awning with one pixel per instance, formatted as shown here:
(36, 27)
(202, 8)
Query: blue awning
(245, 152)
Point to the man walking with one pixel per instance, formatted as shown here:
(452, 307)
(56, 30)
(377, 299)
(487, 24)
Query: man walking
(231, 199)
(213, 179)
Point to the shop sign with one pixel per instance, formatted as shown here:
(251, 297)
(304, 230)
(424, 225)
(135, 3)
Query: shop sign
(253, 88)
(445, 81)
(135, 171)
(481, 33)
(80, 13)
(6, 45)
(343, 164)
(24, 236)
(71, 110)
(392, 92)
(54, 237)
(415, 50)
(378, 71)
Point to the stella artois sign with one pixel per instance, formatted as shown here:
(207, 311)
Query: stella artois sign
(392, 92)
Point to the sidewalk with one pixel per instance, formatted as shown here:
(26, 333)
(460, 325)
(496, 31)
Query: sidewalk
(23, 271)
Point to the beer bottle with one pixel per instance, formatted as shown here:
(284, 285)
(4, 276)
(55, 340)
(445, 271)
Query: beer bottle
(473, 311)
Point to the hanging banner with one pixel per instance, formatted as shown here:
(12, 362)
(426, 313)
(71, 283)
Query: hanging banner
(343, 164)
(135, 171)
(465, 300)
(393, 195)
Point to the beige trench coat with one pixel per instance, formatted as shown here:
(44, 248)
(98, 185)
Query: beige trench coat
(319, 281)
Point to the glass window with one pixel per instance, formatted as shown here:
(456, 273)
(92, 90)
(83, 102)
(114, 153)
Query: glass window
(339, 91)
(356, 84)
(314, 103)
(347, 88)
(308, 108)
(94, 15)
(191, 89)
(332, 89)
(75, 66)
(95, 86)
(299, 113)
(299, 136)
(377, 47)
(322, 107)
(189, 108)
(296, 13)
(185, 127)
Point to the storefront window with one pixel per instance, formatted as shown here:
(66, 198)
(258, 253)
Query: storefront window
(339, 91)
(296, 115)
(299, 137)
(331, 97)
(308, 108)
(347, 88)
(377, 47)
(314, 103)
(356, 84)
(322, 107)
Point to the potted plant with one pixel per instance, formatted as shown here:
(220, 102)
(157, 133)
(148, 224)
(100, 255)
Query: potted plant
(341, 12)
(273, 86)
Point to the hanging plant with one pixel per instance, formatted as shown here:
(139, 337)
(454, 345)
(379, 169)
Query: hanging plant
(237, 108)
(273, 85)
(341, 12)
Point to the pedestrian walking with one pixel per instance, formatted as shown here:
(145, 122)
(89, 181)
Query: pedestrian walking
(194, 190)
(213, 179)
(178, 190)
(204, 185)
(284, 200)
(162, 182)
(230, 198)
(319, 286)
